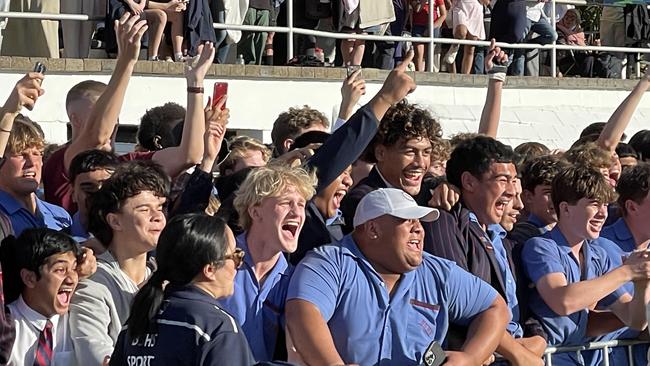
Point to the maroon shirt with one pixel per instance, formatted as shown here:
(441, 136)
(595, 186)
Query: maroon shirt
(57, 185)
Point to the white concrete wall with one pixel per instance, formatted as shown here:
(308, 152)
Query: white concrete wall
(552, 116)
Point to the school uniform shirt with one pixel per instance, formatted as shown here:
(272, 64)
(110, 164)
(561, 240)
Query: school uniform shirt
(99, 308)
(191, 329)
(371, 327)
(47, 214)
(551, 253)
(259, 308)
(29, 325)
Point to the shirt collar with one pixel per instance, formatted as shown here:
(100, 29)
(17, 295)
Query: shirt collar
(496, 230)
(9, 203)
(533, 219)
(388, 185)
(621, 230)
(36, 319)
(560, 240)
(336, 219)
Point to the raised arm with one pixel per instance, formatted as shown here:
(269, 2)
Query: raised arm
(492, 108)
(311, 338)
(396, 87)
(24, 94)
(190, 151)
(97, 131)
(618, 122)
(351, 91)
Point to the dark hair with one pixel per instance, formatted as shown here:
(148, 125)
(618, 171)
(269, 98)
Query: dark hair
(634, 184)
(404, 121)
(30, 251)
(578, 182)
(595, 129)
(540, 171)
(91, 160)
(641, 144)
(624, 150)
(129, 180)
(161, 127)
(186, 245)
(289, 124)
(475, 155)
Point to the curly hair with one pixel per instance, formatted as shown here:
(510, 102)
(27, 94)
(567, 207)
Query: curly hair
(441, 150)
(589, 154)
(271, 181)
(578, 182)
(161, 127)
(404, 121)
(289, 124)
(128, 180)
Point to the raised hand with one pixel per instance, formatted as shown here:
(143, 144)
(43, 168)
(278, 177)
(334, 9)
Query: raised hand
(352, 89)
(129, 30)
(398, 84)
(494, 54)
(25, 93)
(638, 264)
(216, 120)
(195, 71)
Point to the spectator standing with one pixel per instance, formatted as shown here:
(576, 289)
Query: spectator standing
(252, 44)
(420, 28)
(467, 20)
(77, 35)
(538, 23)
(32, 37)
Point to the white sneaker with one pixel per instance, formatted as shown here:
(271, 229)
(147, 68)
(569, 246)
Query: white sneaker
(450, 56)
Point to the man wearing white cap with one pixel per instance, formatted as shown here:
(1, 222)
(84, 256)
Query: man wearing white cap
(376, 298)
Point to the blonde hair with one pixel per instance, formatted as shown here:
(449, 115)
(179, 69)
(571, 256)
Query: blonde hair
(239, 148)
(589, 154)
(24, 135)
(271, 181)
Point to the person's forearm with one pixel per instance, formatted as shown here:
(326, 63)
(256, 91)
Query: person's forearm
(486, 331)
(310, 335)
(379, 105)
(618, 122)
(346, 110)
(510, 349)
(157, 5)
(636, 314)
(207, 163)
(492, 109)
(6, 124)
(194, 126)
(577, 296)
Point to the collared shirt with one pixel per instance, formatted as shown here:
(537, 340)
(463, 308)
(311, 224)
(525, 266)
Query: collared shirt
(259, 308)
(47, 214)
(336, 220)
(551, 253)
(533, 219)
(495, 234)
(620, 234)
(77, 230)
(29, 325)
(388, 185)
(371, 327)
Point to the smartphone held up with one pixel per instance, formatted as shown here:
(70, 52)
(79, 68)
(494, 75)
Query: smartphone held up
(219, 92)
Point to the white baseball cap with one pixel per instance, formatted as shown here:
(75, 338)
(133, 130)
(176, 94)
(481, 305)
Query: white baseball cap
(394, 202)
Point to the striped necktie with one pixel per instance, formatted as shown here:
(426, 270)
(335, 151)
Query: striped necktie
(44, 346)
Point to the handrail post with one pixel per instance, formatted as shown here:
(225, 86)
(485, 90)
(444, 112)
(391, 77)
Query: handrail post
(606, 356)
(553, 49)
(432, 42)
(290, 33)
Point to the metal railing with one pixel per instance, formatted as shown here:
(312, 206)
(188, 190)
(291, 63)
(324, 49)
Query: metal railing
(605, 346)
(290, 30)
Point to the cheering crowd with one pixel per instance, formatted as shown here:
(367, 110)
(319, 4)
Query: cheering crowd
(375, 242)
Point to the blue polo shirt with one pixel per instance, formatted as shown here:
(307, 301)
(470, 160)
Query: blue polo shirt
(370, 327)
(259, 308)
(533, 219)
(620, 234)
(47, 214)
(495, 234)
(77, 230)
(551, 253)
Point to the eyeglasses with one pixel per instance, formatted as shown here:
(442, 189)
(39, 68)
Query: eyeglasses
(237, 257)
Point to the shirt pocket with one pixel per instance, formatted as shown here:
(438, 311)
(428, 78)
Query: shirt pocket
(422, 322)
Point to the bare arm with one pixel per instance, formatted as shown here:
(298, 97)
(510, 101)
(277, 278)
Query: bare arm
(484, 339)
(97, 131)
(632, 310)
(442, 17)
(618, 122)
(310, 335)
(24, 94)
(516, 353)
(492, 108)
(215, 130)
(190, 151)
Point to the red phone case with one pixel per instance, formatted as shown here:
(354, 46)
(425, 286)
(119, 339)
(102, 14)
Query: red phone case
(220, 89)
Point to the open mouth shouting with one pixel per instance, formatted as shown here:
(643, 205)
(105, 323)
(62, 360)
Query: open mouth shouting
(338, 197)
(290, 229)
(64, 295)
(414, 245)
(413, 177)
(29, 175)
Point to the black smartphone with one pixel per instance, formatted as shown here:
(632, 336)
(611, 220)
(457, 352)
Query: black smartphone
(39, 67)
(434, 355)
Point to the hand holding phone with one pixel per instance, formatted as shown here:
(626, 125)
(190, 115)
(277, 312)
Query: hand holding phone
(434, 355)
(351, 69)
(220, 91)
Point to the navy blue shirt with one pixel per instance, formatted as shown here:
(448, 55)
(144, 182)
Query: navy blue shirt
(370, 327)
(259, 308)
(47, 214)
(192, 329)
(551, 253)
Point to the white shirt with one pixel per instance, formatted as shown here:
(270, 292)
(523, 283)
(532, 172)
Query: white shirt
(29, 325)
(535, 12)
